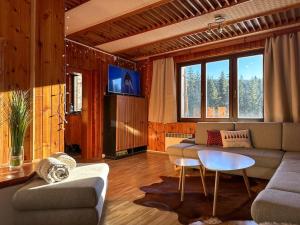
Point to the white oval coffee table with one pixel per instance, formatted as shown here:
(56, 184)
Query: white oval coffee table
(219, 161)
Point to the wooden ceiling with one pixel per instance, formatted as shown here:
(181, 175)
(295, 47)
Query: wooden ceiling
(167, 13)
(158, 15)
(70, 4)
(235, 29)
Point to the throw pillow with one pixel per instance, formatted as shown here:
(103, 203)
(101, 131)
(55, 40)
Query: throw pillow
(235, 139)
(214, 138)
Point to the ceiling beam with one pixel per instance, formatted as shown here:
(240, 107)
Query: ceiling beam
(162, 11)
(228, 24)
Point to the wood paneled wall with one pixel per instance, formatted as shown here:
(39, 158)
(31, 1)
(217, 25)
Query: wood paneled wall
(33, 59)
(93, 65)
(157, 131)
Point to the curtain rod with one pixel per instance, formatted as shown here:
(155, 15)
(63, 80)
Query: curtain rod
(98, 50)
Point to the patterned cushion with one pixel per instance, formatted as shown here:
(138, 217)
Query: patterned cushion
(214, 138)
(239, 138)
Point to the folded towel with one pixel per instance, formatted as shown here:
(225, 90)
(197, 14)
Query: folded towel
(52, 170)
(64, 158)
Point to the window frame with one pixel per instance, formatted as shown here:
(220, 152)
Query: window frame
(233, 85)
(72, 90)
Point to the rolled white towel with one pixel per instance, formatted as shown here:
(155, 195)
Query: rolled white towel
(65, 158)
(52, 170)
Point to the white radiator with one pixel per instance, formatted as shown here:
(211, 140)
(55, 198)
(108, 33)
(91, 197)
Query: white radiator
(175, 138)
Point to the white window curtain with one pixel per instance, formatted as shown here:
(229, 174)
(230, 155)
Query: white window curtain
(163, 104)
(282, 78)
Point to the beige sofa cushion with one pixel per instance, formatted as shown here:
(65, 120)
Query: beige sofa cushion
(263, 135)
(202, 127)
(291, 137)
(176, 150)
(291, 155)
(276, 206)
(84, 188)
(263, 157)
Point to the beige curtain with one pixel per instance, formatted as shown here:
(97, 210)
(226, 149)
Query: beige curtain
(162, 106)
(282, 78)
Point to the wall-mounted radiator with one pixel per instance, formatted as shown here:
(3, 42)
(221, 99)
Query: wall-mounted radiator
(175, 138)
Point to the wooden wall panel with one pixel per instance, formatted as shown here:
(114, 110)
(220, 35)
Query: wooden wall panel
(157, 131)
(34, 33)
(73, 129)
(93, 65)
(50, 76)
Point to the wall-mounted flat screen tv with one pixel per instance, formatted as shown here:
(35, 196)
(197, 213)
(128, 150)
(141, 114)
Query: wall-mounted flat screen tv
(123, 81)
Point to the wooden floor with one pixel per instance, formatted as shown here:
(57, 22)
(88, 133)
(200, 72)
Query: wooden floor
(125, 178)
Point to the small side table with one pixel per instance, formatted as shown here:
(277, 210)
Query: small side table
(184, 163)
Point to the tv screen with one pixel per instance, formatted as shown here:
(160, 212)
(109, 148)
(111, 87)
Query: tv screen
(123, 81)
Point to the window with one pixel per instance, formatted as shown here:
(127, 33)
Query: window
(217, 89)
(250, 86)
(191, 91)
(228, 88)
(76, 103)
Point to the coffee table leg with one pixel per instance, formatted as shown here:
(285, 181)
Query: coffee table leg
(180, 179)
(182, 183)
(247, 182)
(216, 192)
(203, 181)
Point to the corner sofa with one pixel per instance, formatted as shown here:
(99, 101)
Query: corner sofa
(77, 200)
(276, 151)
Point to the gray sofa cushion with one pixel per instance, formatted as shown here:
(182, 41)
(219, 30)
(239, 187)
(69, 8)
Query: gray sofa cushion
(263, 157)
(276, 206)
(202, 127)
(78, 216)
(285, 181)
(291, 137)
(83, 189)
(291, 155)
(176, 150)
(263, 135)
(289, 165)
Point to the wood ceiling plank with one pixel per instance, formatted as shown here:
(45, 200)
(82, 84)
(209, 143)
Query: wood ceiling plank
(210, 4)
(258, 23)
(278, 18)
(194, 7)
(202, 5)
(186, 8)
(70, 4)
(180, 10)
(218, 2)
(251, 25)
(272, 20)
(175, 13)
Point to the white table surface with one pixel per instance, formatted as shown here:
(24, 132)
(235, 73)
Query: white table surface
(185, 162)
(224, 161)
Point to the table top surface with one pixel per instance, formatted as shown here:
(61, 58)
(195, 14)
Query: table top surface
(224, 161)
(9, 177)
(185, 162)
